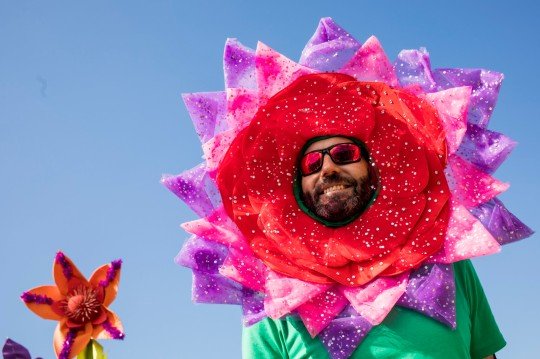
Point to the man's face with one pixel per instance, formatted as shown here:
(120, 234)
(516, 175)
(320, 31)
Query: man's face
(336, 192)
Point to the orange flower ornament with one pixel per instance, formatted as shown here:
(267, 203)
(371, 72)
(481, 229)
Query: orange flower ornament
(79, 305)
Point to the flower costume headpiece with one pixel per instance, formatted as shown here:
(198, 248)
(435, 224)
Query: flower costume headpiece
(425, 131)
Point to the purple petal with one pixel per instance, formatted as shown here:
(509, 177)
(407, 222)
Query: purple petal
(113, 331)
(500, 222)
(208, 112)
(195, 188)
(484, 148)
(239, 65)
(13, 350)
(215, 289)
(343, 335)
(329, 48)
(413, 68)
(431, 291)
(202, 255)
(485, 90)
(252, 307)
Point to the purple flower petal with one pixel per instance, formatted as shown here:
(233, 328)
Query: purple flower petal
(252, 307)
(215, 289)
(239, 65)
(208, 112)
(484, 148)
(195, 188)
(329, 48)
(485, 90)
(431, 290)
(500, 222)
(13, 350)
(413, 68)
(202, 255)
(343, 335)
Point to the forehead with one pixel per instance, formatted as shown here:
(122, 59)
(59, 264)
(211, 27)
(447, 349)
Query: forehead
(319, 145)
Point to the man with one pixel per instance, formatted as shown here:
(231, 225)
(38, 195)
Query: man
(338, 182)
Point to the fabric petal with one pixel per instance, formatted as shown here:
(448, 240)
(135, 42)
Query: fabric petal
(41, 300)
(242, 105)
(329, 48)
(320, 310)
(500, 222)
(452, 105)
(252, 307)
(215, 288)
(485, 90)
(216, 148)
(243, 267)
(275, 71)
(68, 343)
(66, 274)
(431, 291)
(285, 294)
(217, 227)
(239, 65)
(370, 63)
(202, 255)
(343, 335)
(413, 68)
(469, 184)
(208, 112)
(485, 149)
(466, 238)
(107, 277)
(375, 300)
(112, 328)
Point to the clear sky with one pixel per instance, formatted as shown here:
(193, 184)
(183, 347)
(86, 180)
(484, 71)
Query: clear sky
(91, 116)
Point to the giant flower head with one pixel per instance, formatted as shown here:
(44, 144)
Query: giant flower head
(425, 132)
(79, 305)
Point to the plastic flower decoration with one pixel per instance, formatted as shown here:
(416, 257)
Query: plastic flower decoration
(426, 133)
(79, 305)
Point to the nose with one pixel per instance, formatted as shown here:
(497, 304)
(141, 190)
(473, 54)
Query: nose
(329, 167)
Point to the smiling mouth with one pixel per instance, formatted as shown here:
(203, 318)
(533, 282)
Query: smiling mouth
(333, 189)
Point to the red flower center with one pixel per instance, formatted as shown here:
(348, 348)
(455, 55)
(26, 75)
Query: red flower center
(82, 305)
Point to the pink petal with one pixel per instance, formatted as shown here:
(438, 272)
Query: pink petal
(217, 227)
(275, 71)
(216, 148)
(469, 185)
(371, 64)
(242, 105)
(466, 237)
(320, 310)
(243, 267)
(452, 106)
(285, 294)
(376, 299)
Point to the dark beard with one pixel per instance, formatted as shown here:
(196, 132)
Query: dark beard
(341, 207)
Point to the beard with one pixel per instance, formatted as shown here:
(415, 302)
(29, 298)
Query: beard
(338, 207)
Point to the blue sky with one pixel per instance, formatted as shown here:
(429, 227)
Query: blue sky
(91, 116)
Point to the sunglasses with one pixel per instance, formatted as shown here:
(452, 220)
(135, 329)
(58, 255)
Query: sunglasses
(341, 154)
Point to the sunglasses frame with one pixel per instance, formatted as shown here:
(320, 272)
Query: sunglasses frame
(326, 151)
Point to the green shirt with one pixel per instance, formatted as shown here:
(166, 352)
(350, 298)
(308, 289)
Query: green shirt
(403, 334)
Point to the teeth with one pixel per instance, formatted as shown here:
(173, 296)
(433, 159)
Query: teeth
(333, 188)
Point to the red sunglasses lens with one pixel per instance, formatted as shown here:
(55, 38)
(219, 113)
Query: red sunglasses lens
(311, 163)
(345, 153)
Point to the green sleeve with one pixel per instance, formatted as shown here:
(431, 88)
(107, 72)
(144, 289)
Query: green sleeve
(486, 339)
(263, 340)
